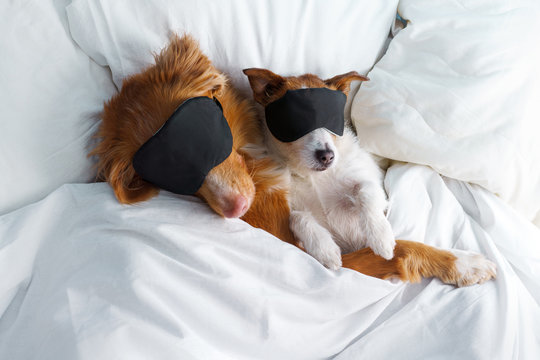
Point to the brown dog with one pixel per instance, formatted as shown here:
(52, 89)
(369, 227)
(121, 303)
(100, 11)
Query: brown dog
(239, 184)
(146, 101)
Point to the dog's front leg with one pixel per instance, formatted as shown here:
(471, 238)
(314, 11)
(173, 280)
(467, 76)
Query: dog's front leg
(316, 240)
(374, 230)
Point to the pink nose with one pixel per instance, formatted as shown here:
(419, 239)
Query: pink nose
(238, 207)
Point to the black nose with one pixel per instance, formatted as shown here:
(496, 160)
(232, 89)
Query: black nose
(325, 157)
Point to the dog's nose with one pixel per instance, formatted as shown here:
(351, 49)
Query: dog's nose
(238, 207)
(325, 157)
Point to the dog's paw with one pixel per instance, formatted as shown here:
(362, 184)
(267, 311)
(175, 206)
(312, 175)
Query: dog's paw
(328, 254)
(472, 268)
(381, 240)
(315, 239)
(384, 249)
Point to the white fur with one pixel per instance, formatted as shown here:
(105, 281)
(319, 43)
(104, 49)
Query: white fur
(473, 268)
(339, 209)
(316, 240)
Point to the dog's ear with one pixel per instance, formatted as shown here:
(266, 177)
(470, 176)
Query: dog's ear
(265, 84)
(217, 90)
(128, 187)
(343, 82)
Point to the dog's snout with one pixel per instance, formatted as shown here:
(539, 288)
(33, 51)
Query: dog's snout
(325, 157)
(238, 206)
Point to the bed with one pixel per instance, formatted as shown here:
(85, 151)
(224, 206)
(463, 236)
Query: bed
(452, 102)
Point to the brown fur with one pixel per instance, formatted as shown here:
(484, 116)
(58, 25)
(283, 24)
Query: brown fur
(181, 71)
(266, 213)
(411, 262)
(147, 100)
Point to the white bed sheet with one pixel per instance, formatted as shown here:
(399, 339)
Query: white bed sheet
(88, 278)
(51, 94)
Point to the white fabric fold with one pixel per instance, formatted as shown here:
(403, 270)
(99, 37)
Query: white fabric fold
(90, 278)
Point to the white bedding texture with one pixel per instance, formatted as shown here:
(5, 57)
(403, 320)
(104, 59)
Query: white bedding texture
(453, 100)
(166, 279)
(51, 94)
(236, 34)
(477, 62)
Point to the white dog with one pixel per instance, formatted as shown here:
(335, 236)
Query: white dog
(337, 200)
(336, 193)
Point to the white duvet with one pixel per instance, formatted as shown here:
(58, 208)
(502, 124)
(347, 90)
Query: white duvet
(87, 278)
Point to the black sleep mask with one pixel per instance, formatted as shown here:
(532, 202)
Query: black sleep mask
(192, 142)
(301, 111)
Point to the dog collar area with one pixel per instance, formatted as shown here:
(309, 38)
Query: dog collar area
(301, 111)
(193, 140)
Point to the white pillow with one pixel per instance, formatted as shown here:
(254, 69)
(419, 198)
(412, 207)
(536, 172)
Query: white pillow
(289, 37)
(50, 94)
(459, 90)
